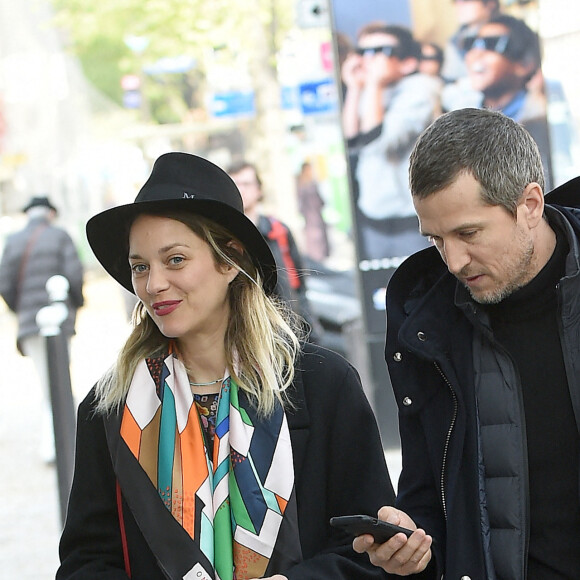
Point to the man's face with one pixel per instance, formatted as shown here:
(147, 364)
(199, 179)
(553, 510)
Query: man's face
(486, 248)
(380, 62)
(490, 71)
(249, 188)
(473, 12)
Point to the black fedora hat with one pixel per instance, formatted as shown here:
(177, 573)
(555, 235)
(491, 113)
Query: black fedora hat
(39, 201)
(184, 182)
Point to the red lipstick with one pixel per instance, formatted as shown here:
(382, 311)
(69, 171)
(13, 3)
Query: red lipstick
(165, 307)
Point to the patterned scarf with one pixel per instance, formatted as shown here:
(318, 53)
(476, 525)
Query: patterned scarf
(233, 505)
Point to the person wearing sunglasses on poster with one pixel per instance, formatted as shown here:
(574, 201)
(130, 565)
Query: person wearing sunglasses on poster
(470, 16)
(219, 445)
(502, 59)
(388, 102)
(431, 59)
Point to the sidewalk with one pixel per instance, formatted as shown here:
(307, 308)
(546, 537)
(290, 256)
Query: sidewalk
(30, 514)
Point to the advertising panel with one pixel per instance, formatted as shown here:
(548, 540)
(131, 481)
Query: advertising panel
(401, 64)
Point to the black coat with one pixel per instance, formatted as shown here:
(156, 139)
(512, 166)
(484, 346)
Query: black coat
(52, 251)
(429, 355)
(339, 469)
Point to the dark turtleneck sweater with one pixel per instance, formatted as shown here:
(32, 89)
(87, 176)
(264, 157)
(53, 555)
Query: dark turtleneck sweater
(526, 324)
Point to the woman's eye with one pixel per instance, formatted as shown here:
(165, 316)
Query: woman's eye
(138, 268)
(176, 260)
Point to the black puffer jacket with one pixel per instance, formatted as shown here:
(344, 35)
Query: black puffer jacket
(430, 360)
(53, 252)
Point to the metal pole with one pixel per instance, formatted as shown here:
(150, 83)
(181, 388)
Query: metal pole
(49, 320)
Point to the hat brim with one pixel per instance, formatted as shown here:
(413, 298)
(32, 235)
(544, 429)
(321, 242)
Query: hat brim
(108, 235)
(46, 205)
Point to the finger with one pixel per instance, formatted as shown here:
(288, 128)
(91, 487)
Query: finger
(362, 543)
(414, 555)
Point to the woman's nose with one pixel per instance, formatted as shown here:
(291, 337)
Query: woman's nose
(156, 280)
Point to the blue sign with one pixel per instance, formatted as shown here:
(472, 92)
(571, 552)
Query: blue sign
(290, 98)
(318, 97)
(132, 99)
(233, 104)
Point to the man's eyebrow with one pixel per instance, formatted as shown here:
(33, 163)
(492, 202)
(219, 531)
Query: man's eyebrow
(459, 228)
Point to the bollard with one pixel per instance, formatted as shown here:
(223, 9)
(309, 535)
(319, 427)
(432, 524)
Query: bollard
(49, 320)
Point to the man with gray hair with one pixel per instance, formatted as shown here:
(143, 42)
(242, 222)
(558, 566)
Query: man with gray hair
(31, 256)
(483, 336)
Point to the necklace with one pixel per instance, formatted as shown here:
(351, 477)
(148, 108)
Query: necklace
(205, 384)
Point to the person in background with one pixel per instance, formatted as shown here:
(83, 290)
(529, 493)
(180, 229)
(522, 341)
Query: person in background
(387, 105)
(219, 444)
(31, 256)
(291, 285)
(483, 335)
(310, 204)
(471, 14)
(501, 60)
(431, 59)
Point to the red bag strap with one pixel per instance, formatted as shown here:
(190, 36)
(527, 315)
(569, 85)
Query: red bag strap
(123, 533)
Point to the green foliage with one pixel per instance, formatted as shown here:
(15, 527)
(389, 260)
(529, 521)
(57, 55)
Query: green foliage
(98, 32)
(102, 63)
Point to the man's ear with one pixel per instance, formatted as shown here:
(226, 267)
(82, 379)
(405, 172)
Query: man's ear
(532, 203)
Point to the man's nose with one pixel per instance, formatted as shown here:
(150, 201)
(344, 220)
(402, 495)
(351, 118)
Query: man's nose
(456, 256)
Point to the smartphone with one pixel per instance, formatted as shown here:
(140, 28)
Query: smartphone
(360, 524)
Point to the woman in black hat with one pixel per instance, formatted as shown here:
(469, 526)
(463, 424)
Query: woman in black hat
(219, 445)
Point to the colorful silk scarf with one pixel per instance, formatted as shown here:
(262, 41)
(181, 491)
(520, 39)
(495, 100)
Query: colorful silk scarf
(233, 504)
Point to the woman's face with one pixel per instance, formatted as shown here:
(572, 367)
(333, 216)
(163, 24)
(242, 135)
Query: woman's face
(177, 279)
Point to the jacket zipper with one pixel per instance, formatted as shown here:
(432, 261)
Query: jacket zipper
(447, 439)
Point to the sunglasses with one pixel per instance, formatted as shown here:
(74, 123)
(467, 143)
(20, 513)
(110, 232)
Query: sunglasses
(497, 44)
(388, 50)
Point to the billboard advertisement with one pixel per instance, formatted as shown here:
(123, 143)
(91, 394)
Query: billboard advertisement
(402, 63)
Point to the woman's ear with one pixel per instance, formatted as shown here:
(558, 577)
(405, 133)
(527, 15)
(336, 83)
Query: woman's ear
(229, 269)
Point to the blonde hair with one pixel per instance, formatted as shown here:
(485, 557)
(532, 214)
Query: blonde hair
(262, 337)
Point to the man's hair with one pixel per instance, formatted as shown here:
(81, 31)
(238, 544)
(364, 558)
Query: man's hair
(496, 150)
(408, 47)
(242, 164)
(523, 45)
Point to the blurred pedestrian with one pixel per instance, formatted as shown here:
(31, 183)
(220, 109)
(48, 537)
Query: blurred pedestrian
(310, 204)
(32, 256)
(219, 445)
(291, 285)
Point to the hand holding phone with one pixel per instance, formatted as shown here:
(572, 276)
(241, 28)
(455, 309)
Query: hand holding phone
(362, 524)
